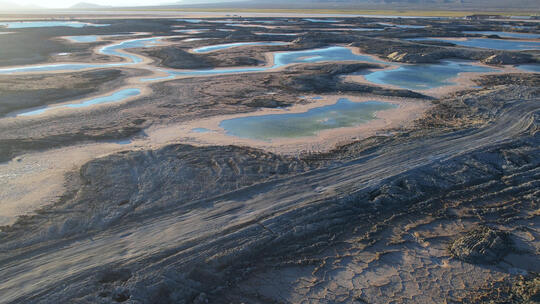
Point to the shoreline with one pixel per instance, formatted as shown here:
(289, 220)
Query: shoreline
(407, 111)
(47, 170)
(463, 80)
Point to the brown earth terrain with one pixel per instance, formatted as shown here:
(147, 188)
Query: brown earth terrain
(442, 210)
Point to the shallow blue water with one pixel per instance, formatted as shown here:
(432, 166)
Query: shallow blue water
(112, 50)
(218, 47)
(344, 113)
(191, 20)
(323, 20)
(33, 24)
(201, 130)
(335, 53)
(506, 34)
(488, 43)
(423, 76)
(280, 59)
(57, 67)
(529, 67)
(115, 97)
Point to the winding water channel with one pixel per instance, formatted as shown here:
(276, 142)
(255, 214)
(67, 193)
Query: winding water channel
(413, 77)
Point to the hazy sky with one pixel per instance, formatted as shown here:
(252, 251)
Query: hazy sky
(68, 3)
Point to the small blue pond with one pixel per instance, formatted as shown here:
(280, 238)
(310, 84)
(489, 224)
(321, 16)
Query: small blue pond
(335, 53)
(344, 113)
(424, 76)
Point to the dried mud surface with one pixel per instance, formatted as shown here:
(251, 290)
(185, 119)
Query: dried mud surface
(444, 210)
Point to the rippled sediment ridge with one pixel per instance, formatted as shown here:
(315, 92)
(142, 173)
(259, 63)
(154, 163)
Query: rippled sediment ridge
(344, 113)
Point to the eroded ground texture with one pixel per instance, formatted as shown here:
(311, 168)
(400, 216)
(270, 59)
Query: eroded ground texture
(443, 210)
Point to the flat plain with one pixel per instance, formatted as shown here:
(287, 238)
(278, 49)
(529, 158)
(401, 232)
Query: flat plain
(212, 158)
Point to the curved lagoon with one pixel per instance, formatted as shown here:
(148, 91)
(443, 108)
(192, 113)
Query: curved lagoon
(488, 43)
(344, 113)
(115, 97)
(111, 50)
(330, 54)
(424, 76)
(219, 47)
(34, 24)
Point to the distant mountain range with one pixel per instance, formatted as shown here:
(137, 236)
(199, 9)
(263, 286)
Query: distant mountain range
(87, 5)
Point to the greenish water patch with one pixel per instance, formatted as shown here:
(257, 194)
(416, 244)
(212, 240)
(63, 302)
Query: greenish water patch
(344, 113)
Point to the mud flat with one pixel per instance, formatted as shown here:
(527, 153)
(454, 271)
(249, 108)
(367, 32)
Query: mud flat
(373, 205)
(151, 200)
